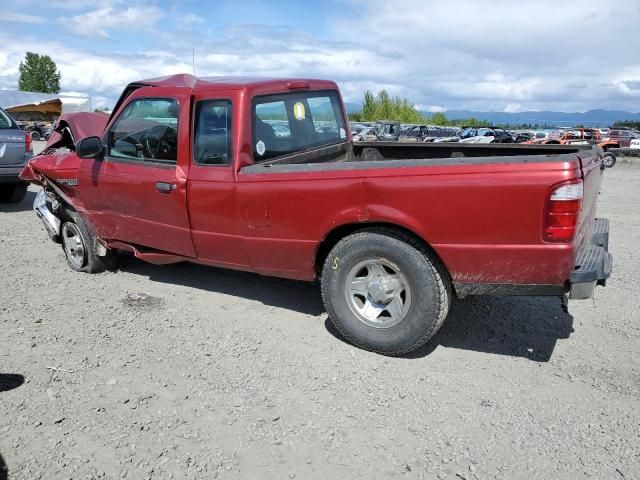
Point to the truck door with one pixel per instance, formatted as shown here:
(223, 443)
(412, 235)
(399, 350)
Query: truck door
(216, 221)
(137, 193)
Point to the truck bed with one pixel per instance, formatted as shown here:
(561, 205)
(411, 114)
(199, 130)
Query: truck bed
(400, 151)
(366, 155)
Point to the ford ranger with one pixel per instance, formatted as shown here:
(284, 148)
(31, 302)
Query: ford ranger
(261, 175)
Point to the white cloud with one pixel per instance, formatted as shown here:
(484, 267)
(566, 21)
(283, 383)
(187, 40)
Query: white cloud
(189, 20)
(82, 4)
(471, 56)
(440, 57)
(101, 21)
(513, 108)
(21, 18)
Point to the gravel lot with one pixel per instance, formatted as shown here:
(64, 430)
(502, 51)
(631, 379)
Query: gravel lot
(185, 371)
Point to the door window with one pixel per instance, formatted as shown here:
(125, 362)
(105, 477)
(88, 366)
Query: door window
(146, 131)
(212, 136)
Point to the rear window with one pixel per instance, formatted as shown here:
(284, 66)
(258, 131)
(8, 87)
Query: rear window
(5, 120)
(288, 123)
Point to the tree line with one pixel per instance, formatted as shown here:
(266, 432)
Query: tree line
(383, 106)
(628, 124)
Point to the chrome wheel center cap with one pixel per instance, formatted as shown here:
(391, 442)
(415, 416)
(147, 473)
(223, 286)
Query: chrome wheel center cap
(381, 290)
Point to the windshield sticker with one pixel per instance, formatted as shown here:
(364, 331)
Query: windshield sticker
(260, 148)
(298, 111)
(343, 133)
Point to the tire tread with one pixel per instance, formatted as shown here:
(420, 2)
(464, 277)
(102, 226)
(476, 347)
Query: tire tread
(442, 283)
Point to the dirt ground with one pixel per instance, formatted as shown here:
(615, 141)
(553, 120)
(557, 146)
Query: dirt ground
(185, 371)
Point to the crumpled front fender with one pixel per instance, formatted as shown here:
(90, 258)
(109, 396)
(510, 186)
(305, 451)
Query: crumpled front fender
(28, 174)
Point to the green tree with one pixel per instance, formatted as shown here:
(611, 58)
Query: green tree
(439, 118)
(39, 73)
(383, 107)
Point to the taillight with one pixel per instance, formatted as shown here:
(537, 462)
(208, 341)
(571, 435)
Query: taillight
(27, 143)
(563, 212)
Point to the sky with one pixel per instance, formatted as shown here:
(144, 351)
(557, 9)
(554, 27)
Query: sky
(501, 55)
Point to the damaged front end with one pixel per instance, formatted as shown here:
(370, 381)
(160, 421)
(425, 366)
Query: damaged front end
(46, 205)
(55, 169)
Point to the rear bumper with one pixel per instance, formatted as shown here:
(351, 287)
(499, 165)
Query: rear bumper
(593, 263)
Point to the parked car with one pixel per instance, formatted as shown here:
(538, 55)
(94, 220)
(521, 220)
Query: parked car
(387, 130)
(189, 169)
(621, 138)
(35, 130)
(523, 136)
(15, 150)
(425, 133)
(500, 135)
(49, 130)
(581, 136)
(366, 134)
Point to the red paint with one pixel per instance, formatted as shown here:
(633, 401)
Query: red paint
(485, 221)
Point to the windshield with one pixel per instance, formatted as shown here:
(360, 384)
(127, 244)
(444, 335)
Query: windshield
(288, 123)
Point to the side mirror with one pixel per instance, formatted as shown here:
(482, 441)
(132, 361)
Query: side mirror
(90, 147)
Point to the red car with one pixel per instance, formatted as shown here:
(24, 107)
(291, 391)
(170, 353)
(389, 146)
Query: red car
(621, 138)
(261, 175)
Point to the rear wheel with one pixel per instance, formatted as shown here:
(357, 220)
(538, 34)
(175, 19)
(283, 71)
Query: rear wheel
(609, 159)
(80, 246)
(13, 192)
(384, 292)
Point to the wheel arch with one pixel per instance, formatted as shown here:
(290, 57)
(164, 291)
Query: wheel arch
(338, 233)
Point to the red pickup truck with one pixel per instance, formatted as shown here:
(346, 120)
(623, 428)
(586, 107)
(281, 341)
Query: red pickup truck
(261, 175)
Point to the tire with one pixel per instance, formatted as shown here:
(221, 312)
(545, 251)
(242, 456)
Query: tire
(35, 135)
(79, 246)
(609, 159)
(13, 193)
(419, 288)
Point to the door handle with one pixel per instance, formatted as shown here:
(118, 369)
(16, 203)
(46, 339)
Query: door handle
(164, 187)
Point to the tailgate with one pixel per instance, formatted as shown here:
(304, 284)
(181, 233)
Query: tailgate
(12, 147)
(592, 165)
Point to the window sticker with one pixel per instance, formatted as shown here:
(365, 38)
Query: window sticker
(343, 133)
(260, 148)
(298, 110)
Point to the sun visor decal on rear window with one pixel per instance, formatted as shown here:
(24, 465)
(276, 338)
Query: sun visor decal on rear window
(260, 148)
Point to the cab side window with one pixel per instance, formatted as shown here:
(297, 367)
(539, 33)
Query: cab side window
(212, 135)
(146, 131)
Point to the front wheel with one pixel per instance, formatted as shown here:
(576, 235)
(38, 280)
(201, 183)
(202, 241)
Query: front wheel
(609, 159)
(79, 246)
(384, 292)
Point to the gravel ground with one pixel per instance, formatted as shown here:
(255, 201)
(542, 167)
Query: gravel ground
(185, 371)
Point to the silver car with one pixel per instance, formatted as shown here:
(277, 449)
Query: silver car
(15, 151)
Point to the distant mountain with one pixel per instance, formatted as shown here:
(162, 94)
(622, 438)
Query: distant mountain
(592, 118)
(351, 107)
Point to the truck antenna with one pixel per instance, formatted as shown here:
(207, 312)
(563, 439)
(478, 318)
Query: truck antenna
(193, 60)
